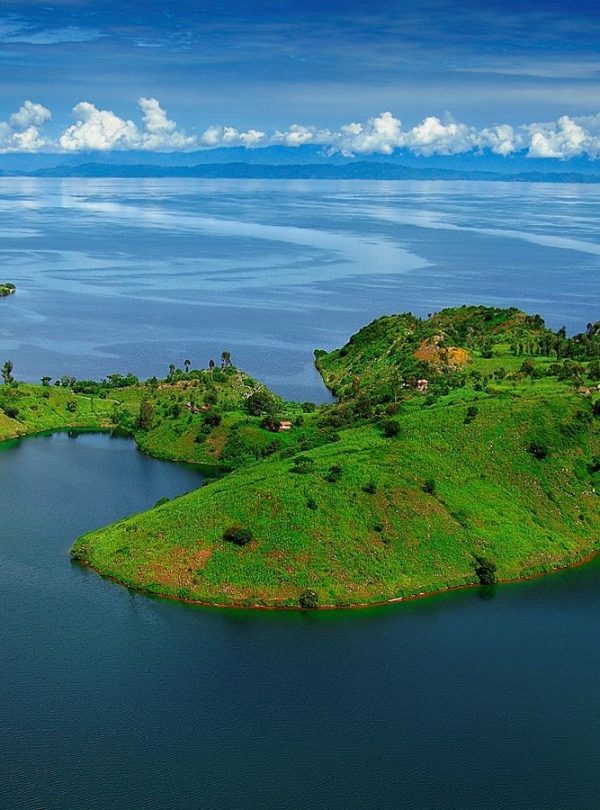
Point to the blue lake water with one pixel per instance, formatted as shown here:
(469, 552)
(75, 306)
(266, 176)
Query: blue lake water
(131, 275)
(110, 699)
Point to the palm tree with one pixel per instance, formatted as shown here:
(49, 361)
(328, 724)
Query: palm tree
(171, 370)
(187, 364)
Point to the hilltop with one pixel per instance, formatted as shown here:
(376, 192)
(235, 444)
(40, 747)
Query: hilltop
(463, 448)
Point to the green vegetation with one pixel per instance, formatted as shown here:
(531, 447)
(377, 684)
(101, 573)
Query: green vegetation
(463, 449)
(6, 289)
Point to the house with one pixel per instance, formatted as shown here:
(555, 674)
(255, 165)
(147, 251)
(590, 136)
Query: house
(283, 425)
(422, 386)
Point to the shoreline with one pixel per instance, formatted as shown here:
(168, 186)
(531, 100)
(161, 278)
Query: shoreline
(577, 562)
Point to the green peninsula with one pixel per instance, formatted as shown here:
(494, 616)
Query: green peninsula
(462, 449)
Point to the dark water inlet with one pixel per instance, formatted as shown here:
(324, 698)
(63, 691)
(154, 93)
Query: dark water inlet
(112, 699)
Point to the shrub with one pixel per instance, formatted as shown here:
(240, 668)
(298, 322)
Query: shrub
(212, 418)
(485, 570)
(308, 600)
(538, 449)
(238, 535)
(72, 405)
(309, 407)
(311, 504)
(429, 486)
(334, 474)
(303, 465)
(390, 428)
(471, 413)
(162, 501)
(370, 488)
(12, 413)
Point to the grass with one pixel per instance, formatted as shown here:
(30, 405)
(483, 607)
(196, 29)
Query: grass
(492, 499)
(387, 494)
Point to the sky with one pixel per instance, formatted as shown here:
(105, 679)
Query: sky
(433, 77)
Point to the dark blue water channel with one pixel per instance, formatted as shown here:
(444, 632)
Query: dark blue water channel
(110, 699)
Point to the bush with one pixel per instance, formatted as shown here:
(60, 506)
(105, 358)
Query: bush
(429, 486)
(334, 474)
(485, 571)
(12, 413)
(212, 418)
(309, 407)
(308, 600)
(538, 449)
(303, 465)
(311, 504)
(238, 535)
(471, 413)
(162, 501)
(72, 405)
(390, 428)
(370, 488)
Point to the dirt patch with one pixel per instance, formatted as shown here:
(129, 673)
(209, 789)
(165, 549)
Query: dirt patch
(176, 568)
(433, 351)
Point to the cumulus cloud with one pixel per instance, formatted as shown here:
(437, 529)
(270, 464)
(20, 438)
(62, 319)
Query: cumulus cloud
(102, 130)
(96, 129)
(563, 139)
(21, 133)
(231, 136)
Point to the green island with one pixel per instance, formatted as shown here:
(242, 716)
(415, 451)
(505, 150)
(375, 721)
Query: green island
(461, 449)
(7, 288)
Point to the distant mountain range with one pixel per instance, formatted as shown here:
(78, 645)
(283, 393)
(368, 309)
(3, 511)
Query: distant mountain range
(300, 163)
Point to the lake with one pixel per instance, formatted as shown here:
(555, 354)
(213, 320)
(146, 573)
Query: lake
(131, 275)
(111, 699)
(114, 699)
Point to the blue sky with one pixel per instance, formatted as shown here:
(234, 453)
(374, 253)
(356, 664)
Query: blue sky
(264, 66)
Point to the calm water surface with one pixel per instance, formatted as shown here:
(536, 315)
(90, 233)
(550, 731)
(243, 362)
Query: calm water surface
(114, 700)
(131, 275)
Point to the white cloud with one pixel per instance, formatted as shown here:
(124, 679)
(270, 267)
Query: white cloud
(102, 130)
(563, 139)
(96, 129)
(21, 133)
(230, 136)
(432, 137)
(29, 115)
(501, 140)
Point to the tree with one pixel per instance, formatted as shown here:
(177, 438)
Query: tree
(260, 401)
(7, 375)
(429, 486)
(225, 359)
(171, 371)
(390, 428)
(211, 364)
(485, 571)
(187, 364)
(146, 414)
(46, 380)
(308, 600)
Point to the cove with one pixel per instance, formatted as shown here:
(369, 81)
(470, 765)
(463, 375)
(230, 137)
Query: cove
(113, 699)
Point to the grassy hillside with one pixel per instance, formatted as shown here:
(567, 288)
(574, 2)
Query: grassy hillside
(369, 518)
(490, 471)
